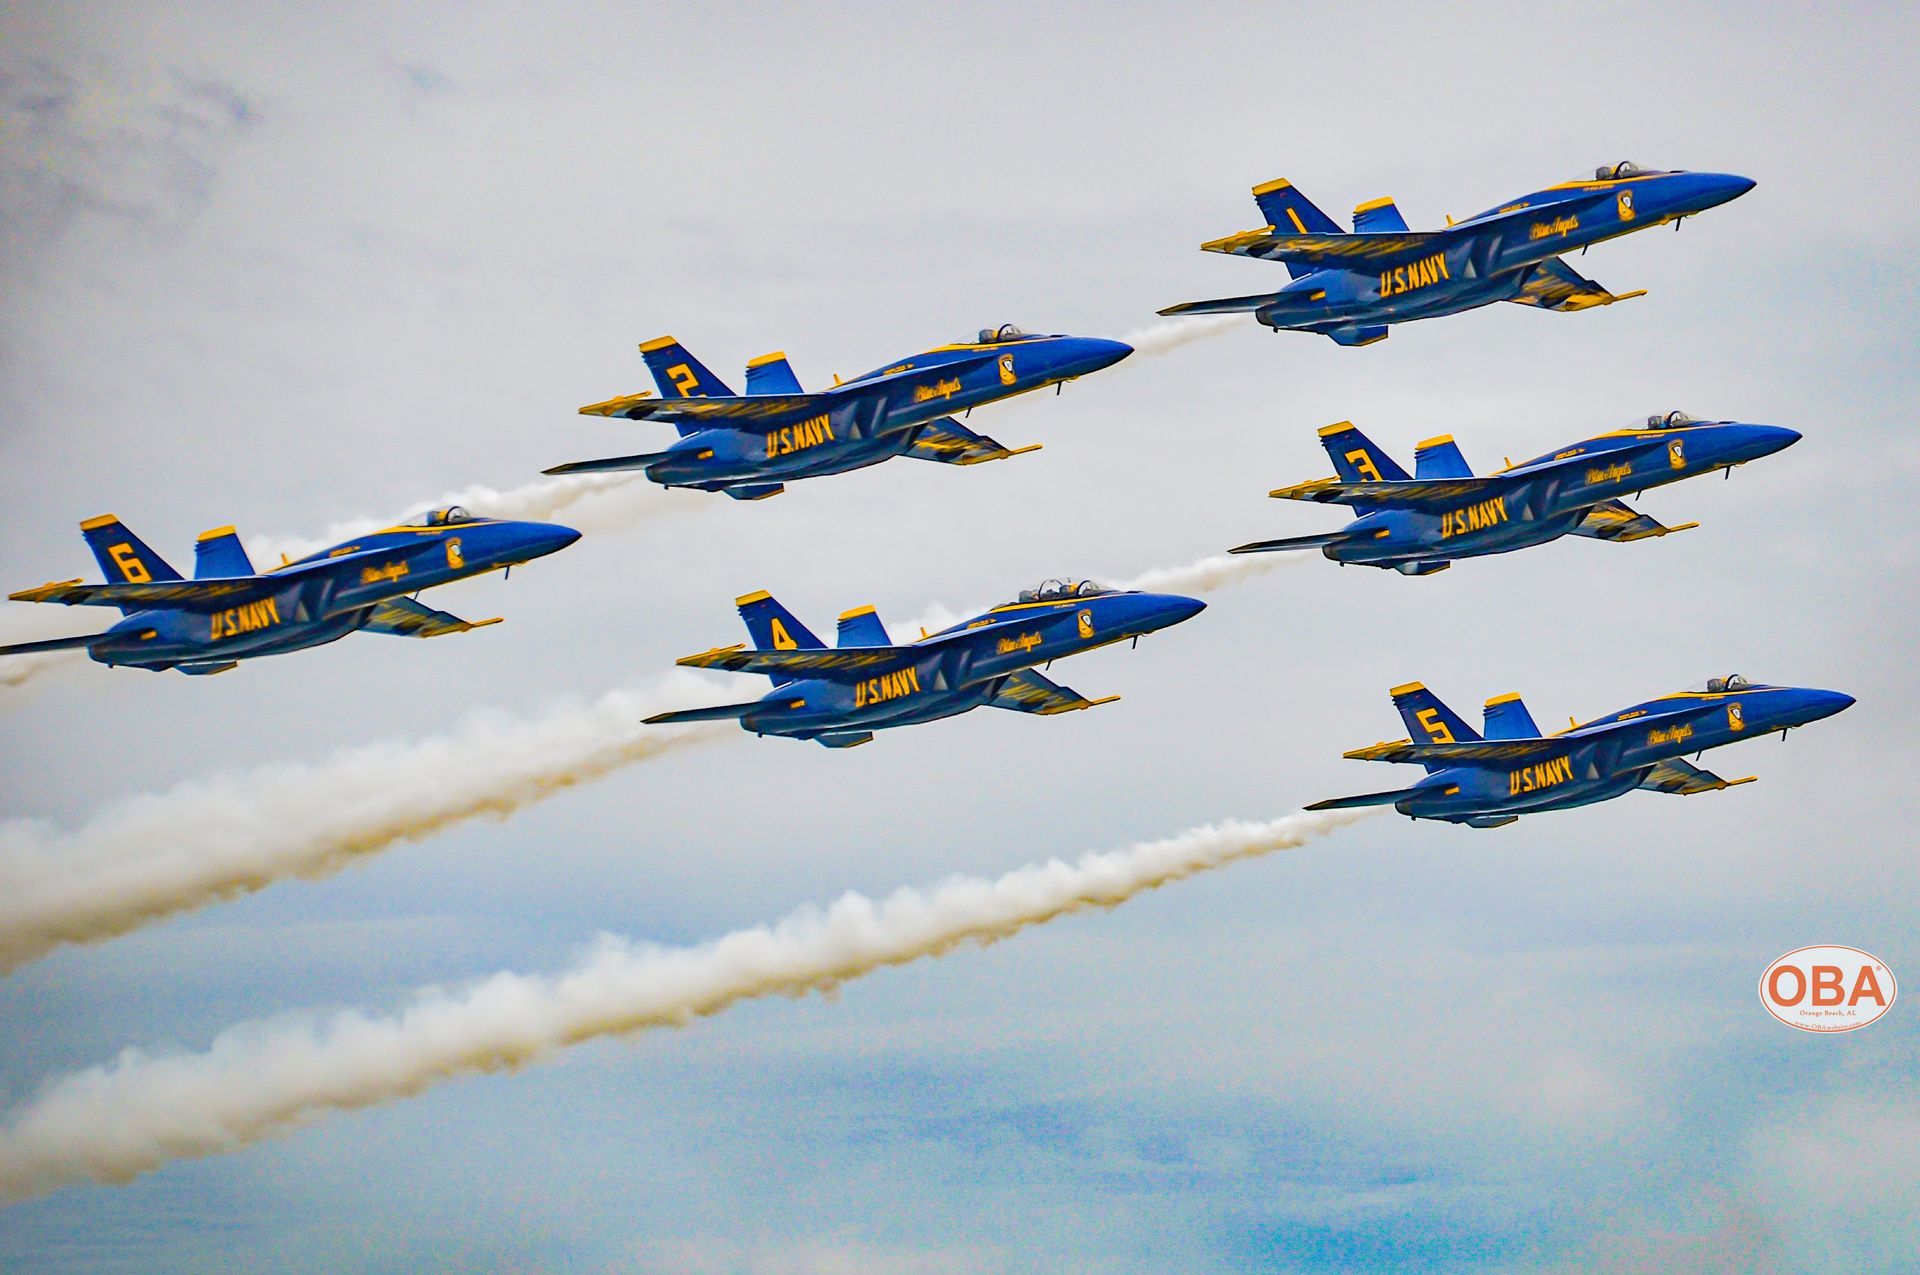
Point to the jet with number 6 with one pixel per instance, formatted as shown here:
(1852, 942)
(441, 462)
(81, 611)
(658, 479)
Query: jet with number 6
(229, 612)
(751, 445)
(866, 682)
(1486, 780)
(1350, 287)
(1419, 525)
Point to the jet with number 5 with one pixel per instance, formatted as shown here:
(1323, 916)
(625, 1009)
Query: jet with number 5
(1488, 779)
(229, 612)
(1350, 287)
(751, 445)
(1419, 525)
(866, 682)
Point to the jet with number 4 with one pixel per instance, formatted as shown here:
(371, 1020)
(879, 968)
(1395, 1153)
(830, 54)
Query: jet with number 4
(866, 682)
(751, 445)
(1419, 525)
(1488, 779)
(1350, 287)
(229, 612)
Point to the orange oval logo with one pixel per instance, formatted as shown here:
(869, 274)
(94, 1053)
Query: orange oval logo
(1828, 988)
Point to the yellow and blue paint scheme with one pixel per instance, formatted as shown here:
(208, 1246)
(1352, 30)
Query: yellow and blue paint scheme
(1352, 286)
(1418, 525)
(230, 612)
(750, 445)
(840, 695)
(1488, 779)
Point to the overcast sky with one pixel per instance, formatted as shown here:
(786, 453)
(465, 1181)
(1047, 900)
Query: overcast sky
(280, 271)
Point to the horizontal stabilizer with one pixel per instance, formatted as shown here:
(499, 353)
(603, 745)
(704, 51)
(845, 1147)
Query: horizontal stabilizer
(1685, 779)
(1617, 521)
(1479, 752)
(950, 443)
(403, 617)
(1223, 305)
(715, 713)
(1424, 495)
(1360, 252)
(1363, 799)
(52, 644)
(736, 411)
(610, 464)
(1294, 542)
(186, 595)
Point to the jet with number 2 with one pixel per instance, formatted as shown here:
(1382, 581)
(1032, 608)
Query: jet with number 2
(840, 696)
(751, 445)
(1350, 287)
(1419, 525)
(229, 612)
(1486, 780)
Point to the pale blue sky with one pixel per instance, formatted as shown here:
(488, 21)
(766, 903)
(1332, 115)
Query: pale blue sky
(280, 271)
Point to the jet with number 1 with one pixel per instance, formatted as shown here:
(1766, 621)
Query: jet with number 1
(229, 612)
(751, 445)
(840, 696)
(1350, 287)
(1419, 525)
(1486, 780)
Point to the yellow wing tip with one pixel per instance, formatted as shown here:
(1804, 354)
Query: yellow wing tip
(614, 406)
(217, 532)
(855, 613)
(1408, 689)
(1735, 783)
(1372, 204)
(748, 599)
(481, 624)
(1438, 440)
(1022, 451)
(1104, 699)
(101, 521)
(1267, 188)
(777, 356)
(658, 343)
(1498, 700)
(703, 658)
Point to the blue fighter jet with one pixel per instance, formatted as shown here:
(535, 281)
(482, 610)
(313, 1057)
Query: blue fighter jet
(750, 446)
(1419, 525)
(866, 683)
(1514, 770)
(229, 612)
(1351, 286)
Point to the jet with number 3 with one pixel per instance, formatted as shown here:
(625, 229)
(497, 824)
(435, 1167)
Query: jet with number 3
(229, 612)
(1419, 525)
(1486, 779)
(1350, 287)
(866, 682)
(751, 445)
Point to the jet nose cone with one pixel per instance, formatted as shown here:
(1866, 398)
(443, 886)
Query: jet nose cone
(1769, 439)
(1164, 610)
(1090, 354)
(1826, 704)
(1720, 188)
(549, 538)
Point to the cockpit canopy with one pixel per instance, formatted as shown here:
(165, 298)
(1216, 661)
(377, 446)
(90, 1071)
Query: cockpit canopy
(1625, 168)
(1670, 420)
(1059, 590)
(987, 336)
(444, 517)
(1721, 685)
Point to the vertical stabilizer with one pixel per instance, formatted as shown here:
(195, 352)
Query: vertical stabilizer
(774, 628)
(219, 555)
(772, 374)
(1508, 718)
(861, 627)
(1355, 458)
(1291, 213)
(1430, 721)
(124, 558)
(1440, 458)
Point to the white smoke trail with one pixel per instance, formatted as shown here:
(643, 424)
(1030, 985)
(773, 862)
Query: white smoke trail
(591, 502)
(210, 839)
(114, 1122)
(1171, 334)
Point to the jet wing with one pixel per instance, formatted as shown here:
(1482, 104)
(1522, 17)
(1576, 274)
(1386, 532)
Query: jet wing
(843, 664)
(1555, 285)
(1028, 692)
(183, 595)
(403, 617)
(750, 412)
(1615, 520)
(1686, 779)
(951, 443)
(1480, 752)
(1426, 495)
(1338, 251)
